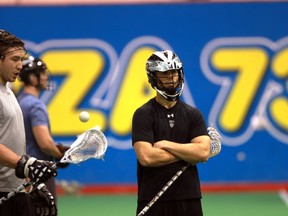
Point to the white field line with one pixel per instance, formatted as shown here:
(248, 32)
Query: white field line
(284, 196)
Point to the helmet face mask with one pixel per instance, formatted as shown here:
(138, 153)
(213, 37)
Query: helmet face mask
(164, 62)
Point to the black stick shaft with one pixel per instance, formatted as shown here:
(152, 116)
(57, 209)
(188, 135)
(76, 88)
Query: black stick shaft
(16, 191)
(161, 192)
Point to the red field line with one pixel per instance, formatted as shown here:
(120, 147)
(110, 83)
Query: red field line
(245, 187)
(219, 187)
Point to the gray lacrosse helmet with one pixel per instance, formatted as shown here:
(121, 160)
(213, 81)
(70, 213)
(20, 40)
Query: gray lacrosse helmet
(162, 61)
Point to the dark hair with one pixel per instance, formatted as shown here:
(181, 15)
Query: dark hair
(34, 66)
(8, 40)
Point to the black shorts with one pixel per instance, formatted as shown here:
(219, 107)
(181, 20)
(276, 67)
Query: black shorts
(189, 207)
(18, 205)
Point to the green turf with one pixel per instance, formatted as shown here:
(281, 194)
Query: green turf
(214, 204)
(107, 205)
(244, 204)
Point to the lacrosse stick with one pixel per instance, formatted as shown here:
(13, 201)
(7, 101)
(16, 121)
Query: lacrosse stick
(215, 148)
(90, 144)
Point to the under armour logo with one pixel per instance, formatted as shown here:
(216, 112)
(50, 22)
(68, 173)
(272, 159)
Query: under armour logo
(171, 123)
(170, 116)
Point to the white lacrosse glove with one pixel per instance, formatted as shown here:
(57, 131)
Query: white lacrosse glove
(43, 201)
(37, 170)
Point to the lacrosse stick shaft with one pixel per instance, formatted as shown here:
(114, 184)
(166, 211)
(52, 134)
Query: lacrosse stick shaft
(16, 191)
(161, 192)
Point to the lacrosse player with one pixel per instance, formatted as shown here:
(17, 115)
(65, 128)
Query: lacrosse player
(39, 141)
(15, 165)
(167, 134)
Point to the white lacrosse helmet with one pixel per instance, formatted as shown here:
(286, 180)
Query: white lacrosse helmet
(162, 61)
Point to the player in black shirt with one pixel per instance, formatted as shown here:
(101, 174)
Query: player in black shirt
(166, 135)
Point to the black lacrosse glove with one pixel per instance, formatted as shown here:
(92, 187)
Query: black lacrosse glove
(62, 165)
(62, 148)
(37, 170)
(43, 201)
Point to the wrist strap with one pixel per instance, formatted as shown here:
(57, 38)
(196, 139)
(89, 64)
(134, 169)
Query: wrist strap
(28, 163)
(20, 167)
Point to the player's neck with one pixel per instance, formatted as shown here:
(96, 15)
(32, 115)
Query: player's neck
(165, 103)
(2, 82)
(31, 90)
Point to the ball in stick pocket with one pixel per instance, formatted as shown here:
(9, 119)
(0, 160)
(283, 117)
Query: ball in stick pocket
(84, 116)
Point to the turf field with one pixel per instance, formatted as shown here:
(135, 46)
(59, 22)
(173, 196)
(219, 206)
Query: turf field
(214, 204)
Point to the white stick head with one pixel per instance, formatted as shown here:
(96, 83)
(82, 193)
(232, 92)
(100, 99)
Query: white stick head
(90, 144)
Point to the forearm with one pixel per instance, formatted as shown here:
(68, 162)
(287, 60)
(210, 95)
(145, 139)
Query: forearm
(47, 145)
(46, 142)
(7, 157)
(193, 152)
(160, 157)
(52, 150)
(153, 157)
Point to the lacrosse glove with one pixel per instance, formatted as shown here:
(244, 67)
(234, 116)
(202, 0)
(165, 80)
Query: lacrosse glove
(43, 201)
(62, 149)
(37, 170)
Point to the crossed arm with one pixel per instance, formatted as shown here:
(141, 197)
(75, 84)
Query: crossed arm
(165, 152)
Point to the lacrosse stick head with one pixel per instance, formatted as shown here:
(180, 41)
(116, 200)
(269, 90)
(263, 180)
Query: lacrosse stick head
(90, 144)
(215, 143)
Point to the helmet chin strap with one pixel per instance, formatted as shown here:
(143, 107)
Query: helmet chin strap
(170, 94)
(170, 97)
(165, 96)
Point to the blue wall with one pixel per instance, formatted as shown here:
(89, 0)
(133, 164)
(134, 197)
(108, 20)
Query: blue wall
(235, 64)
